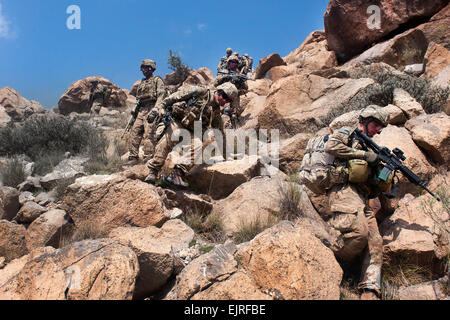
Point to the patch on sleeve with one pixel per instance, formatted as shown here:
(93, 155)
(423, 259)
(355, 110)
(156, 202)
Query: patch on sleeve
(344, 131)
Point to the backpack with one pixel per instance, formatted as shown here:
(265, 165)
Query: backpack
(315, 166)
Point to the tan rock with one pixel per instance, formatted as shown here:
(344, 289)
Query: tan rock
(431, 132)
(113, 201)
(295, 104)
(346, 22)
(4, 117)
(260, 86)
(404, 49)
(187, 201)
(313, 53)
(249, 117)
(413, 231)
(408, 104)
(436, 29)
(290, 261)
(292, 151)
(155, 249)
(396, 114)
(350, 119)
(220, 179)
(17, 107)
(265, 64)
(47, 230)
(9, 203)
(12, 240)
(436, 60)
(433, 290)
(29, 212)
(76, 97)
(88, 270)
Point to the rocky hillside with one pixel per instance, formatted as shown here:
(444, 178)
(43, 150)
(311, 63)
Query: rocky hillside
(75, 224)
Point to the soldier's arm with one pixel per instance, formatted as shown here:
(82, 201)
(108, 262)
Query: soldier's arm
(183, 95)
(338, 145)
(160, 93)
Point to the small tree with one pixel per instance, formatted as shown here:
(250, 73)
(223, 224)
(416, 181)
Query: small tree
(176, 64)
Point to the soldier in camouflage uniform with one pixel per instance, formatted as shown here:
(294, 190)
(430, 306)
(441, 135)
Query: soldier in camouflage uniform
(150, 91)
(233, 64)
(98, 95)
(248, 64)
(349, 202)
(188, 105)
(338, 165)
(223, 61)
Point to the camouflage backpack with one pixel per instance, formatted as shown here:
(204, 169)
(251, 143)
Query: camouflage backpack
(315, 166)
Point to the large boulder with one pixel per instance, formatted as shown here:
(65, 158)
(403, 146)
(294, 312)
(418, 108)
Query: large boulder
(266, 63)
(66, 169)
(313, 53)
(12, 240)
(47, 230)
(9, 203)
(292, 151)
(347, 28)
(296, 103)
(76, 97)
(432, 290)
(17, 107)
(220, 179)
(405, 49)
(284, 262)
(88, 270)
(431, 132)
(29, 212)
(114, 201)
(417, 231)
(437, 58)
(156, 250)
(410, 107)
(436, 29)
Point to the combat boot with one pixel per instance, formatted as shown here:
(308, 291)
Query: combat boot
(369, 295)
(132, 161)
(176, 178)
(152, 176)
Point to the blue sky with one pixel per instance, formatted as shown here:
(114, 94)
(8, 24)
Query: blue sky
(40, 57)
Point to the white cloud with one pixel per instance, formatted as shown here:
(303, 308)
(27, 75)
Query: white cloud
(5, 31)
(202, 27)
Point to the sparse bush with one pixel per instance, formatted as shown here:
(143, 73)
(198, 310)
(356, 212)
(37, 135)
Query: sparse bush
(249, 229)
(290, 199)
(382, 93)
(12, 173)
(45, 139)
(175, 64)
(85, 231)
(209, 227)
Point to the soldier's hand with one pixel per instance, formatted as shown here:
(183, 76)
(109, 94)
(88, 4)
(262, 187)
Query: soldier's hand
(152, 116)
(371, 157)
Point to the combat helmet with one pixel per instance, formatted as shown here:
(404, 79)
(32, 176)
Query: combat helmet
(376, 112)
(148, 63)
(229, 89)
(233, 58)
(229, 51)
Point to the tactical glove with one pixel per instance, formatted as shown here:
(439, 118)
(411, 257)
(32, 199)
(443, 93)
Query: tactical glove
(371, 157)
(152, 116)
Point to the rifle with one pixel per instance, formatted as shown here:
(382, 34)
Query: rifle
(236, 77)
(392, 161)
(132, 119)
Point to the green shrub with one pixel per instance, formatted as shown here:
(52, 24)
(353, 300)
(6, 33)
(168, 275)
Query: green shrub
(12, 173)
(209, 227)
(45, 139)
(175, 64)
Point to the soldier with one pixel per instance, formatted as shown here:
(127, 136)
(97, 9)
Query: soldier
(188, 105)
(248, 64)
(150, 91)
(223, 61)
(98, 95)
(349, 201)
(227, 76)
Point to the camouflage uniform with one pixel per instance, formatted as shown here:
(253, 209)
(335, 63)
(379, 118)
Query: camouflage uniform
(201, 105)
(242, 87)
(352, 215)
(223, 61)
(100, 95)
(149, 92)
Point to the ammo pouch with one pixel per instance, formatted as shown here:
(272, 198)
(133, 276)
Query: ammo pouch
(358, 171)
